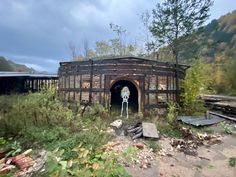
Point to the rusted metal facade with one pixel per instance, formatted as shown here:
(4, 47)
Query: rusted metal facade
(91, 81)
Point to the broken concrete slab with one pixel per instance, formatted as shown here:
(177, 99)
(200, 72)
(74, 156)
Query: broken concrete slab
(150, 130)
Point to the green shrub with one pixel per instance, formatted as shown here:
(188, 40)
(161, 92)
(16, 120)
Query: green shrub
(168, 129)
(18, 112)
(96, 111)
(86, 164)
(153, 145)
(41, 137)
(195, 83)
(171, 112)
(2, 141)
(40, 120)
(232, 161)
(227, 128)
(13, 148)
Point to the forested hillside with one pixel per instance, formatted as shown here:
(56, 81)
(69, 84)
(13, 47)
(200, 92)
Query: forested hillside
(216, 42)
(8, 65)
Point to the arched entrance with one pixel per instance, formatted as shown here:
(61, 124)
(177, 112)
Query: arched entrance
(116, 99)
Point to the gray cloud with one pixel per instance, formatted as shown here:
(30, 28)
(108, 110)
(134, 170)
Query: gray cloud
(38, 32)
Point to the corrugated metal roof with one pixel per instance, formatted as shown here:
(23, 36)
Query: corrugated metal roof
(200, 121)
(24, 74)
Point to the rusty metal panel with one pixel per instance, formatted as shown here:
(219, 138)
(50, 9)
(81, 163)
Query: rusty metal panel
(150, 130)
(200, 121)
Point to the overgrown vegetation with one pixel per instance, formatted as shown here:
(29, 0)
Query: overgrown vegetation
(232, 161)
(194, 84)
(228, 128)
(171, 112)
(19, 112)
(41, 121)
(224, 77)
(153, 145)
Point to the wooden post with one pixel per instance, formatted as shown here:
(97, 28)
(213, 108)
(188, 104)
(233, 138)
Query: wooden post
(91, 82)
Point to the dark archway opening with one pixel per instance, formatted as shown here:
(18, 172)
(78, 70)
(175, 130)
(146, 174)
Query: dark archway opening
(116, 99)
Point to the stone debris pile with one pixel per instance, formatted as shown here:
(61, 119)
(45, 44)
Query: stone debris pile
(131, 153)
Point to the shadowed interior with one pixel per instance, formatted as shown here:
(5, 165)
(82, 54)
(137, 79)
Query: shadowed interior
(116, 99)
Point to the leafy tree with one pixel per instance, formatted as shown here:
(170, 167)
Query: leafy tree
(103, 48)
(195, 83)
(91, 53)
(224, 77)
(116, 47)
(174, 19)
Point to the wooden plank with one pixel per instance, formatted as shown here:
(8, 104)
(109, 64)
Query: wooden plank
(122, 71)
(80, 86)
(123, 60)
(142, 87)
(159, 105)
(160, 91)
(149, 130)
(91, 82)
(125, 66)
(167, 87)
(221, 115)
(100, 88)
(148, 101)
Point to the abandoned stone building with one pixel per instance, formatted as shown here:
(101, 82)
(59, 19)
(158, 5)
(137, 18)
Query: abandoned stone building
(151, 83)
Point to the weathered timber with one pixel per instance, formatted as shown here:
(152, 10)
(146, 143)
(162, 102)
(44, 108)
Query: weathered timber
(150, 130)
(97, 81)
(223, 116)
(225, 104)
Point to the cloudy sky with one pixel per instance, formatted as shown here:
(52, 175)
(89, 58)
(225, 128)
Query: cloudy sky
(38, 32)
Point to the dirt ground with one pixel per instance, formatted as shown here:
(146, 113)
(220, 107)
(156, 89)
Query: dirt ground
(211, 161)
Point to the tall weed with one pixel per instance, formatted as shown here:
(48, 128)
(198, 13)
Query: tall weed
(18, 112)
(195, 83)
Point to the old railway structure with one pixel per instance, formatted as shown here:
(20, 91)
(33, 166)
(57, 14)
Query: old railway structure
(152, 84)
